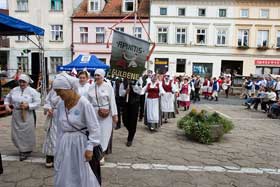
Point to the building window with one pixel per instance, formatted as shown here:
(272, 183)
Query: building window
(222, 12)
(22, 63)
(22, 5)
(22, 38)
(94, 5)
(201, 12)
(121, 29)
(181, 65)
(56, 32)
(203, 69)
(201, 36)
(128, 5)
(244, 13)
(56, 5)
(243, 38)
(84, 34)
(264, 13)
(267, 70)
(221, 37)
(103, 60)
(262, 38)
(162, 35)
(138, 32)
(181, 11)
(55, 61)
(163, 11)
(181, 35)
(100, 35)
(278, 39)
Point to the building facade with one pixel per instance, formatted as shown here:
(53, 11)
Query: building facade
(94, 18)
(216, 36)
(4, 47)
(54, 16)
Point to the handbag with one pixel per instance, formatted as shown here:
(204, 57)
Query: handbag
(97, 150)
(102, 112)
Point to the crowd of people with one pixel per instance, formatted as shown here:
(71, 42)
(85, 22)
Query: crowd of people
(81, 114)
(263, 91)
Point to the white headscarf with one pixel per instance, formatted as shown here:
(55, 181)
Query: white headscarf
(100, 72)
(25, 78)
(65, 82)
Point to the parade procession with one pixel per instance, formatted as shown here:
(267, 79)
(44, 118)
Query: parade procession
(135, 93)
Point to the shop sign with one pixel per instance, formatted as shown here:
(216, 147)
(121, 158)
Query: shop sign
(267, 62)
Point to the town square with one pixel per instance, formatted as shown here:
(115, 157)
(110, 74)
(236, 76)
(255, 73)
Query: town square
(144, 93)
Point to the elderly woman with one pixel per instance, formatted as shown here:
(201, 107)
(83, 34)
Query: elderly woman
(75, 115)
(24, 100)
(50, 107)
(101, 96)
(83, 83)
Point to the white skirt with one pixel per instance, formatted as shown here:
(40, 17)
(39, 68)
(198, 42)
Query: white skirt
(152, 110)
(167, 102)
(71, 168)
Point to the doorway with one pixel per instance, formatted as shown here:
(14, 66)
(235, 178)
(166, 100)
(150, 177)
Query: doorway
(233, 67)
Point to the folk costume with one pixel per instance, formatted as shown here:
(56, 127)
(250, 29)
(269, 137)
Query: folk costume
(23, 121)
(205, 87)
(71, 169)
(83, 89)
(103, 96)
(51, 102)
(185, 92)
(131, 107)
(167, 99)
(153, 107)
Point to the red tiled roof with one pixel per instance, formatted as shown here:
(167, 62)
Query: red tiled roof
(112, 9)
(4, 11)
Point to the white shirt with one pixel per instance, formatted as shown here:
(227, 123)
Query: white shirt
(83, 89)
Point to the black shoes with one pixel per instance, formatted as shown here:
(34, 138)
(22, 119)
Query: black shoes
(22, 156)
(129, 143)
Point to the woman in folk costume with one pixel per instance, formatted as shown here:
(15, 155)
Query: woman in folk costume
(167, 99)
(176, 90)
(102, 97)
(205, 87)
(226, 85)
(153, 108)
(83, 85)
(24, 100)
(51, 102)
(215, 88)
(74, 149)
(131, 90)
(185, 92)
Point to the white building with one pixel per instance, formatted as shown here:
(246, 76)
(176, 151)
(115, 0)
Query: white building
(214, 36)
(54, 16)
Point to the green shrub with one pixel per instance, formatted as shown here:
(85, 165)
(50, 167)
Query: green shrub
(197, 126)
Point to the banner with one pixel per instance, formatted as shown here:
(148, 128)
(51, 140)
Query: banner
(128, 56)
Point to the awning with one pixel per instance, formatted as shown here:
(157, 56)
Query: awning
(10, 26)
(89, 62)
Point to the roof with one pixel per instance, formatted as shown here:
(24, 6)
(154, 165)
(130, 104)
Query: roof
(90, 62)
(10, 26)
(4, 11)
(112, 9)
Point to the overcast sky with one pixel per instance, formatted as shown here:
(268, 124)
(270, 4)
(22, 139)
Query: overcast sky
(3, 4)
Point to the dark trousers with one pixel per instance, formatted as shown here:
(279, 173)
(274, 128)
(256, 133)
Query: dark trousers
(130, 119)
(119, 104)
(1, 166)
(227, 92)
(196, 94)
(265, 104)
(142, 106)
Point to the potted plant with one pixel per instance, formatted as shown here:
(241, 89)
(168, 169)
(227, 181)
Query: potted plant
(204, 127)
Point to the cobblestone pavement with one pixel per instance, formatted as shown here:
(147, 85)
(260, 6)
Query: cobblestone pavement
(248, 156)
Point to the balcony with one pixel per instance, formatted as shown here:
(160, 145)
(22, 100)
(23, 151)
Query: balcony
(4, 42)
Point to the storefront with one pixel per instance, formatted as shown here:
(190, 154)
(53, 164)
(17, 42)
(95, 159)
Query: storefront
(203, 69)
(161, 65)
(267, 67)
